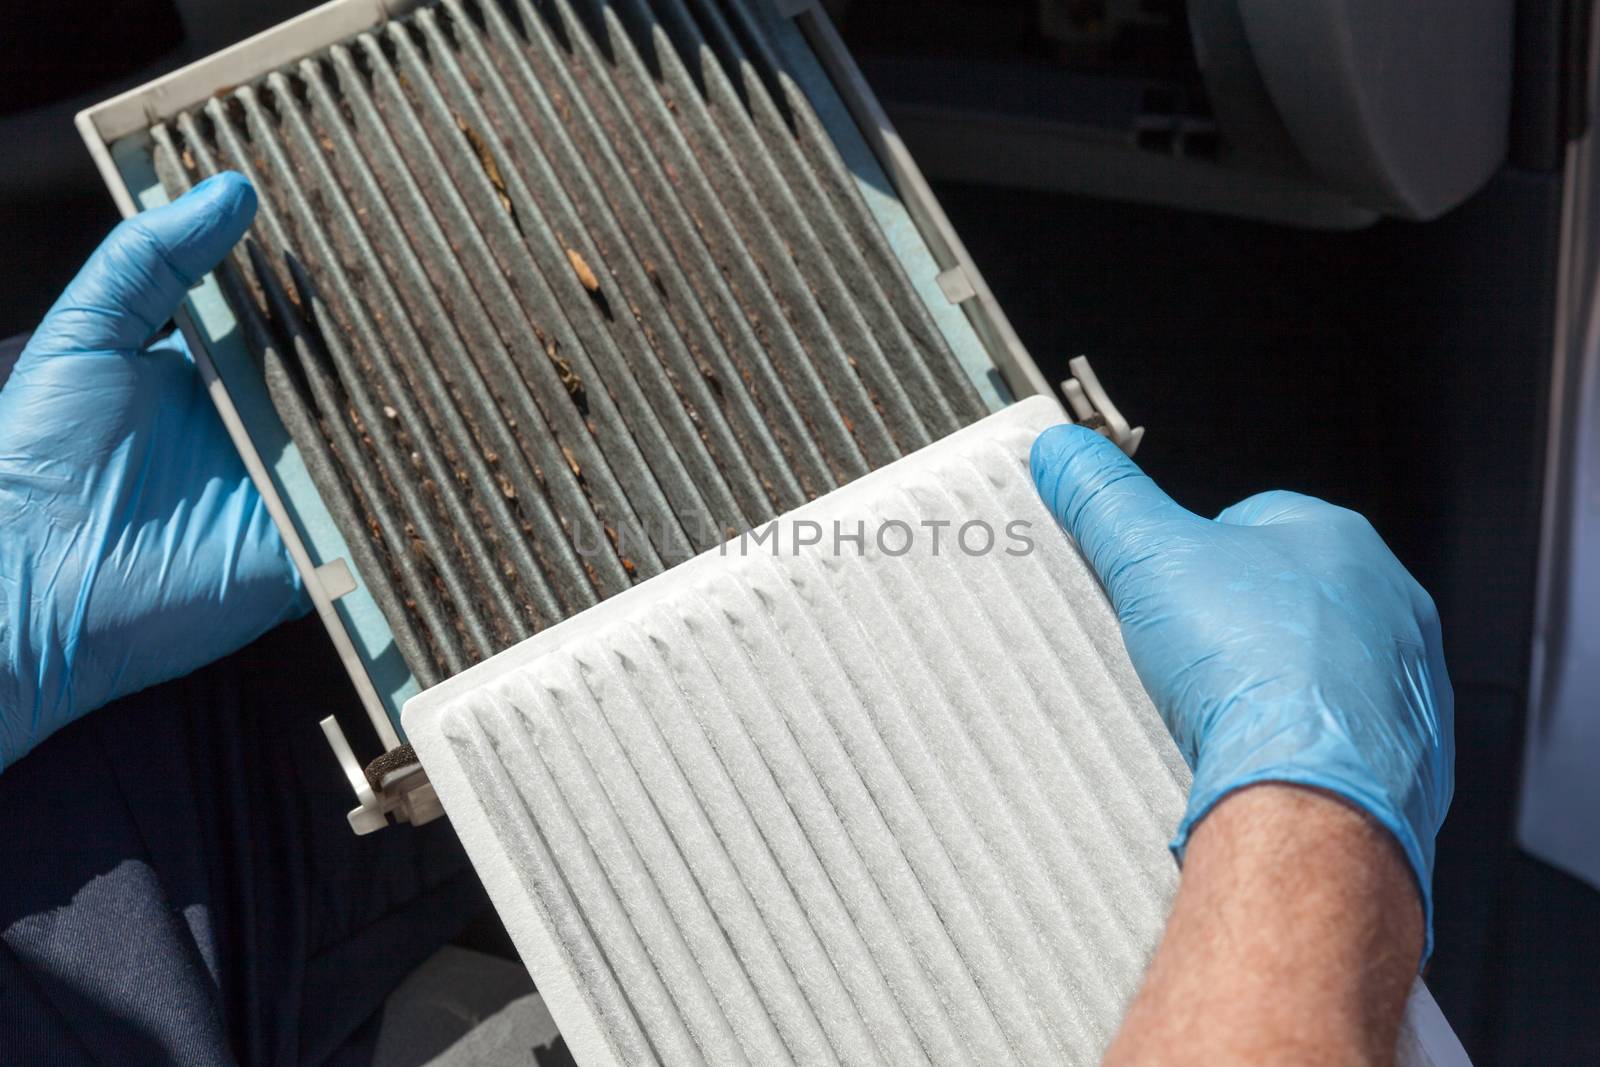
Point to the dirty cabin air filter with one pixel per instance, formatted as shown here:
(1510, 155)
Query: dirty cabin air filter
(531, 370)
(545, 297)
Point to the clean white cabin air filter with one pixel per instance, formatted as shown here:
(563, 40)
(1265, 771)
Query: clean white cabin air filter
(879, 786)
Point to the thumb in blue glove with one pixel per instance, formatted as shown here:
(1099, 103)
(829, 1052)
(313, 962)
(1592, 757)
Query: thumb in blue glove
(1282, 642)
(135, 547)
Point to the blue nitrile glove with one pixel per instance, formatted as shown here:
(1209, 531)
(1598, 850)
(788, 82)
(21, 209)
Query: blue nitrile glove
(1282, 642)
(133, 546)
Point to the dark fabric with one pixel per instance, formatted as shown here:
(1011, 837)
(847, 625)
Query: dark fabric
(10, 349)
(178, 883)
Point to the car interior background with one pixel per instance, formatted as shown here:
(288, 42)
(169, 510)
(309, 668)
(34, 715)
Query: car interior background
(1275, 318)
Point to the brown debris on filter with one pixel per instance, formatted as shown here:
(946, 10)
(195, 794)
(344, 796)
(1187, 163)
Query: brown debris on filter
(491, 169)
(572, 463)
(616, 543)
(655, 279)
(712, 379)
(580, 267)
(569, 377)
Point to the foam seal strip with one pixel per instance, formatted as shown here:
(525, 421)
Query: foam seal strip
(822, 804)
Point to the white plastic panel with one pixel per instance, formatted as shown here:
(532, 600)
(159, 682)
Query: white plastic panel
(815, 803)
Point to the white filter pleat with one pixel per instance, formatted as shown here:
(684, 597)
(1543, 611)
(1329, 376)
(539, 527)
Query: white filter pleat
(859, 799)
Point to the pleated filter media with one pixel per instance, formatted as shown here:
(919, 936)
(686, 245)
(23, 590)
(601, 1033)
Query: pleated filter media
(545, 296)
(526, 275)
(881, 786)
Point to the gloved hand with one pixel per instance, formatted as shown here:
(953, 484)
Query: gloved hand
(133, 546)
(1282, 642)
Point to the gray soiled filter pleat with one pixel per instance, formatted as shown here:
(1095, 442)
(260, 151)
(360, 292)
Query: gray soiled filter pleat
(613, 151)
(468, 638)
(702, 361)
(722, 465)
(686, 473)
(742, 240)
(813, 230)
(432, 245)
(387, 389)
(657, 482)
(804, 801)
(792, 804)
(414, 325)
(744, 447)
(547, 306)
(543, 396)
(412, 602)
(796, 135)
(673, 108)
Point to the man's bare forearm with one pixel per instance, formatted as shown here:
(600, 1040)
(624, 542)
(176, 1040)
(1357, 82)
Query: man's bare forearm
(1293, 940)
